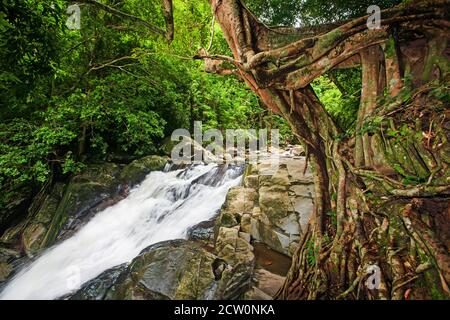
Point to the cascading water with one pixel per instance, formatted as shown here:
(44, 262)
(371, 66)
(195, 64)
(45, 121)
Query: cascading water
(163, 207)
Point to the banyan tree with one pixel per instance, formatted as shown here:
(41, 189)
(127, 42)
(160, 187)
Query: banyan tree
(382, 193)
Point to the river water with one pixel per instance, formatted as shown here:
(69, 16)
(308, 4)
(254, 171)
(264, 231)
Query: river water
(163, 207)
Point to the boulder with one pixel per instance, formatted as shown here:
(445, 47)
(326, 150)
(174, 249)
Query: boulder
(303, 208)
(279, 179)
(5, 271)
(204, 231)
(256, 294)
(268, 282)
(273, 237)
(239, 201)
(295, 168)
(36, 229)
(233, 248)
(283, 205)
(275, 204)
(97, 288)
(84, 192)
(6, 267)
(246, 223)
(136, 171)
(251, 181)
(302, 190)
(298, 150)
(179, 269)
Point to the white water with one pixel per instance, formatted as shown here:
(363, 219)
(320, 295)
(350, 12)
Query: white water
(163, 207)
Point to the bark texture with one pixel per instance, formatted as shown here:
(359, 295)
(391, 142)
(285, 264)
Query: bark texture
(382, 195)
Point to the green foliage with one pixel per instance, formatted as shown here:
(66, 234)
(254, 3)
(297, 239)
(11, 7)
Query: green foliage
(29, 51)
(68, 97)
(333, 217)
(341, 102)
(28, 150)
(311, 252)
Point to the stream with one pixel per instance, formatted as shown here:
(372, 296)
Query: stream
(163, 207)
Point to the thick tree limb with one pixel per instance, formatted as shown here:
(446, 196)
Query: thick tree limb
(279, 65)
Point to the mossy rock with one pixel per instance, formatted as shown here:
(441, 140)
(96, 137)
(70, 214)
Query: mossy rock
(7, 256)
(86, 190)
(33, 235)
(274, 203)
(16, 206)
(97, 288)
(240, 200)
(232, 248)
(280, 179)
(5, 271)
(136, 171)
(179, 269)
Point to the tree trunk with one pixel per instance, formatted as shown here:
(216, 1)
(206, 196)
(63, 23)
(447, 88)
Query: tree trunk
(381, 215)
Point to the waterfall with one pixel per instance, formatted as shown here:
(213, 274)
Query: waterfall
(163, 207)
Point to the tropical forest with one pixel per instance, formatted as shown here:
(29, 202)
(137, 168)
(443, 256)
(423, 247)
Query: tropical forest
(224, 150)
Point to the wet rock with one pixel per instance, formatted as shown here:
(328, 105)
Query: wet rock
(216, 176)
(97, 288)
(179, 269)
(12, 235)
(204, 231)
(5, 270)
(136, 171)
(84, 192)
(33, 236)
(6, 267)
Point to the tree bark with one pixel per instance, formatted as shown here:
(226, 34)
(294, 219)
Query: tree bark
(394, 164)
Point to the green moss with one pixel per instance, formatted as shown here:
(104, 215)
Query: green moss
(228, 219)
(329, 39)
(138, 169)
(389, 50)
